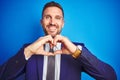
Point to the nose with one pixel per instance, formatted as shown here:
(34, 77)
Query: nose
(52, 21)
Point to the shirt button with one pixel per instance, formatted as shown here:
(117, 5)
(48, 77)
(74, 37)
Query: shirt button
(16, 61)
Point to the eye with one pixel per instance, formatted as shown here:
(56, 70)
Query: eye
(47, 17)
(58, 17)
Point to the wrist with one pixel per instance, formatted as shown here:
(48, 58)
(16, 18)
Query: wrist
(77, 53)
(28, 53)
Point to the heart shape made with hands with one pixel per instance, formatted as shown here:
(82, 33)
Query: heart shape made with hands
(61, 50)
(38, 46)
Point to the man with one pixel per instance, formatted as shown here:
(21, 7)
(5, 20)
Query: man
(70, 59)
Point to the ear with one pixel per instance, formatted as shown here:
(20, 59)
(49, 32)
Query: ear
(63, 24)
(41, 22)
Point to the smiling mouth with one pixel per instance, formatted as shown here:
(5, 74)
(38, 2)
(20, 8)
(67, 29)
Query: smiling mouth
(52, 31)
(52, 28)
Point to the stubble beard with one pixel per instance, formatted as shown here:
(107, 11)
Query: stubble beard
(58, 33)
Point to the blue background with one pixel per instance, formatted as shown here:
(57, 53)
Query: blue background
(93, 22)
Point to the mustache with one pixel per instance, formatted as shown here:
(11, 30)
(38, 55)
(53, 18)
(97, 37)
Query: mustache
(52, 25)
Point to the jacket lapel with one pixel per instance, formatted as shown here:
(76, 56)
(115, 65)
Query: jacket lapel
(40, 67)
(63, 68)
(34, 68)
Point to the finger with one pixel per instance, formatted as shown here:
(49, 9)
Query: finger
(49, 54)
(62, 51)
(57, 38)
(50, 39)
(58, 52)
(44, 53)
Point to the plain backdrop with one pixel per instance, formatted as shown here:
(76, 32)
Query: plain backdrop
(96, 23)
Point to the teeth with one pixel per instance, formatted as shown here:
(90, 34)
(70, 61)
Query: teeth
(52, 28)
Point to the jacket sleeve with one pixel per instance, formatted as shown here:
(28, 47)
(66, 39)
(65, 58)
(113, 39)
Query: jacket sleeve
(14, 66)
(95, 67)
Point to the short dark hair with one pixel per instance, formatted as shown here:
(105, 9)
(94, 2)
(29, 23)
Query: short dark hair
(52, 4)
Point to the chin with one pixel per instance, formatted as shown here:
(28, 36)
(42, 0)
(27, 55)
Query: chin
(53, 36)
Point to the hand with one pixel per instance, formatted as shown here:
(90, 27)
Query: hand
(38, 47)
(67, 46)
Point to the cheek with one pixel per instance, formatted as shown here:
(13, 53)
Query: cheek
(61, 24)
(44, 25)
(59, 29)
(45, 22)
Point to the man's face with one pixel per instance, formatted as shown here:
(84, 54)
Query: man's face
(52, 21)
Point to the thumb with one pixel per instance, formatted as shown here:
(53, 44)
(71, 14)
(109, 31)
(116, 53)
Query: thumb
(62, 51)
(58, 52)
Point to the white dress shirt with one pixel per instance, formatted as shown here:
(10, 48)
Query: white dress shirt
(57, 61)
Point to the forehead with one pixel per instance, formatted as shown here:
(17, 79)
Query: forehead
(52, 11)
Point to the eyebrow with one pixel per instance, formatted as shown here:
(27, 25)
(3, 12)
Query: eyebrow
(55, 16)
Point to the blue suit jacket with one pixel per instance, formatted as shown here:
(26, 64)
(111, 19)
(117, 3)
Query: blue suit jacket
(17, 68)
